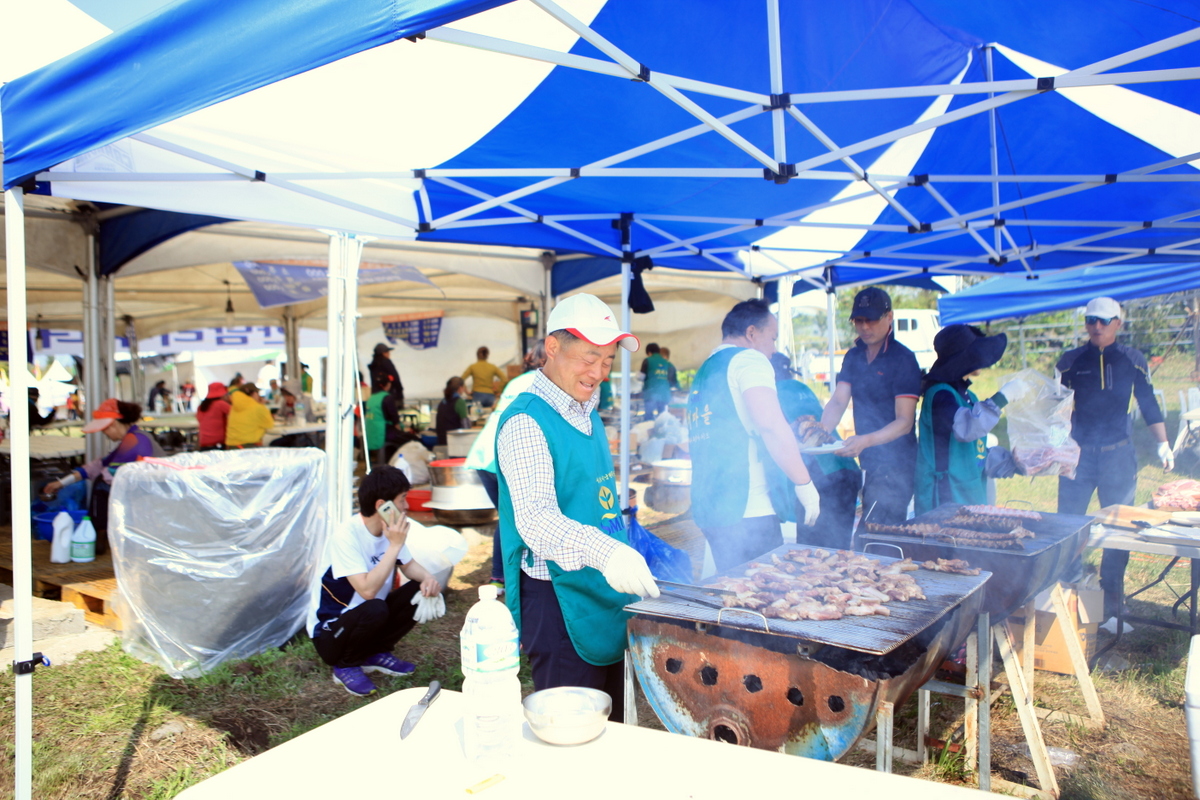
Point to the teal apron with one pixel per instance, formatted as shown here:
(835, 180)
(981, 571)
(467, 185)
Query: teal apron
(376, 425)
(968, 485)
(584, 484)
(658, 379)
(719, 445)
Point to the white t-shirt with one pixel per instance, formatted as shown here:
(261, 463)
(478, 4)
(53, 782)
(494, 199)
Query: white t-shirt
(747, 370)
(352, 550)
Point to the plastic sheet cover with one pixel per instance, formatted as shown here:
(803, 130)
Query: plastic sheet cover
(215, 553)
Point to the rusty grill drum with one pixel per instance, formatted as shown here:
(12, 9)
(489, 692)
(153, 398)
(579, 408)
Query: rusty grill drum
(1017, 575)
(808, 688)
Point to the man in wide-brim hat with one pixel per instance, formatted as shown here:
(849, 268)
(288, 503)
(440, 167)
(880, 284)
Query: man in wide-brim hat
(954, 423)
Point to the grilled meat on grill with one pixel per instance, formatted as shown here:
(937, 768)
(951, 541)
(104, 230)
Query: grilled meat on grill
(817, 584)
(969, 538)
(999, 511)
(955, 565)
(911, 529)
(983, 522)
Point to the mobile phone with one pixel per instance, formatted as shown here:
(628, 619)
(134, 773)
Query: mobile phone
(390, 514)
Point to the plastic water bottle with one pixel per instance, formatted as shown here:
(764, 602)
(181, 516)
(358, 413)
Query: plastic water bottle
(60, 545)
(490, 661)
(83, 541)
(299, 411)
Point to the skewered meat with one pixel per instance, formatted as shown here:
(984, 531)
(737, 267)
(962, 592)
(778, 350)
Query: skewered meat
(911, 529)
(984, 522)
(969, 538)
(1181, 495)
(999, 511)
(955, 565)
(817, 584)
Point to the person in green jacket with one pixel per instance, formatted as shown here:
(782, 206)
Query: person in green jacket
(383, 420)
(954, 423)
(656, 390)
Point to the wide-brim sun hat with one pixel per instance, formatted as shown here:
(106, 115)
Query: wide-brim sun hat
(590, 318)
(102, 417)
(963, 349)
(216, 389)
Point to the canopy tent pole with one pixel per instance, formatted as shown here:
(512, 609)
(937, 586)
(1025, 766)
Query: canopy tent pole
(625, 225)
(785, 339)
(548, 259)
(92, 368)
(831, 332)
(291, 338)
(18, 430)
(137, 380)
(108, 342)
(987, 66)
(345, 252)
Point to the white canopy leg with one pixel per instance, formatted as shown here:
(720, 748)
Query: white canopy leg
(345, 253)
(93, 372)
(626, 384)
(291, 338)
(18, 430)
(831, 325)
(108, 345)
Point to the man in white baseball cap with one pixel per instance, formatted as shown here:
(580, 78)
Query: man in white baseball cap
(1104, 374)
(568, 568)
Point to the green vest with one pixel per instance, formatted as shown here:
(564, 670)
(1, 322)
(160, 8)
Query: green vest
(658, 378)
(719, 445)
(584, 483)
(968, 484)
(376, 425)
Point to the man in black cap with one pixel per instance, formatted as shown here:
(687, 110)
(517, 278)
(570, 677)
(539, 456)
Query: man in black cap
(882, 377)
(382, 368)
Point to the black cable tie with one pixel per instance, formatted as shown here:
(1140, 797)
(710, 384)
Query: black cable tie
(1150, 252)
(424, 227)
(1148, 224)
(999, 223)
(1045, 84)
(574, 172)
(418, 173)
(758, 223)
(27, 667)
(260, 176)
(920, 180)
(643, 73)
(416, 36)
(1110, 177)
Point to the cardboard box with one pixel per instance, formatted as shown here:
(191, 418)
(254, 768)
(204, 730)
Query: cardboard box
(1050, 646)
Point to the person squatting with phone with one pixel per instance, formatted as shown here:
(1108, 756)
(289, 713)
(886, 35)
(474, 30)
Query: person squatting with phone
(356, 615)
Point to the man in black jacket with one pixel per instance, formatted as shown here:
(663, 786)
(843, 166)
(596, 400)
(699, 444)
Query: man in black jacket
(381, 366)
(1104, 374)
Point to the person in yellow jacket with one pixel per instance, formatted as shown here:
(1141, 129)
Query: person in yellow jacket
(482, 374)
(249, 417)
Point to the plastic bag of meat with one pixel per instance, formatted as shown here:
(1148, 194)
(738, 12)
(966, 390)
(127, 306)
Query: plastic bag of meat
(1039, 426)
(1178, 496)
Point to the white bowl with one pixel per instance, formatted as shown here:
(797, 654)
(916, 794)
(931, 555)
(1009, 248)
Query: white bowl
(567, 714)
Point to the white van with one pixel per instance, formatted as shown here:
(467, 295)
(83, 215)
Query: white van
(915, 329)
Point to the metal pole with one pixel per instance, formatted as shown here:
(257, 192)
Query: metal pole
(626, 365)
(831, 322)
(22, 563)
(548, 260)
(108, 341)
(93, 369)
(344, 254)
(995, 155)
(136, 376)
(291, 338)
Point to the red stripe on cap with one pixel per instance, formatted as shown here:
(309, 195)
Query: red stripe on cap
(576, 332)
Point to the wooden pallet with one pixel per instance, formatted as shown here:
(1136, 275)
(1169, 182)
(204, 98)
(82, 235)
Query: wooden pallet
(92, 586)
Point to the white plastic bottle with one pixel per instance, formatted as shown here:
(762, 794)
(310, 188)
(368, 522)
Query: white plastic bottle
(60, 545)
(83, 541)
(490, 662)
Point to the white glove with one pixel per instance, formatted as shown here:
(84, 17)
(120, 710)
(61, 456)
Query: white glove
(1014, 390)
(1166, 456)
(626, 572)
(806, 493)
(428, 608)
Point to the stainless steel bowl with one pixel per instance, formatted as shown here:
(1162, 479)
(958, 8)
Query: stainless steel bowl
(456, 474)
(567, 714)
(465, 516)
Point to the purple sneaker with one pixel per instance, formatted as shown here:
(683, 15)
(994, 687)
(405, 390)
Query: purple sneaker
(354, 680)
(388, 664)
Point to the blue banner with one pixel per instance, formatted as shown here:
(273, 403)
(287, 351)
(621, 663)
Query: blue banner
(276, 284)
(418, 330)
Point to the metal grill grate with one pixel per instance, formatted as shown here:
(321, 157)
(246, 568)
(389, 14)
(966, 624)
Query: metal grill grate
(875, 634)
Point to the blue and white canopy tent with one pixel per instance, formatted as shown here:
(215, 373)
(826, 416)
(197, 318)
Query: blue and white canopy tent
(826, 145)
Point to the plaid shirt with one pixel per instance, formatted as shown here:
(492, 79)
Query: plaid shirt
(524, 458)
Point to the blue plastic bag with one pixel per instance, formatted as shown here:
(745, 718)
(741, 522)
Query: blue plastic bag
(71, 498)
(666, 563)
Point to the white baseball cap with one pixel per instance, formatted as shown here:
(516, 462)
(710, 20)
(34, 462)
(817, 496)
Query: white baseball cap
(1103, 307)
(589, 318)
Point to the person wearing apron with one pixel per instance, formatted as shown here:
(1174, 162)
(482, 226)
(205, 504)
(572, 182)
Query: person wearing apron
(568, 568)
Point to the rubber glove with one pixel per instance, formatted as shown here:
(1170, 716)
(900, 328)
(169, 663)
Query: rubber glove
(1014, 390)
(428, 608)
(1166, 456)
(806, 493)
(626, 572)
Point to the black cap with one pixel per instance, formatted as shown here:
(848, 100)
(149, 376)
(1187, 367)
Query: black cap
(382, 348)
(871, 303)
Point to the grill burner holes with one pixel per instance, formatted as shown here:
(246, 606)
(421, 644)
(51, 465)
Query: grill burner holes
(836, 704)
(795, 696)
(708, 676)
(723, 733)
(752, 683)
(674, 665)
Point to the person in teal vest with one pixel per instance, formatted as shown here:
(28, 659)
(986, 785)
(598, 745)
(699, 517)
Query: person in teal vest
(568, 568)
(735, 424)
(656, 389)
(954, 423)
(382, 421)
(837, 478)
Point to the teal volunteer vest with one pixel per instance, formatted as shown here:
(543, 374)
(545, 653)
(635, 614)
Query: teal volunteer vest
(658, 379)
(376, 425)
(719, 445)
(587, 493)
(965, 468)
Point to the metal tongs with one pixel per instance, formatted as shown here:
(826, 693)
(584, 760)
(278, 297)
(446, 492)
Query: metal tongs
(693, 594)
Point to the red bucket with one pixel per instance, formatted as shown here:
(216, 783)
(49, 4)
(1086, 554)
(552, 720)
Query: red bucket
(417, 498)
